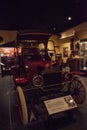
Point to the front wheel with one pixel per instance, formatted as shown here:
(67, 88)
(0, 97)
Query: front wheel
(22, 106)
(78, 90)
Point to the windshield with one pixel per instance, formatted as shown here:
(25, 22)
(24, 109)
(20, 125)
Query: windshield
(33, 57)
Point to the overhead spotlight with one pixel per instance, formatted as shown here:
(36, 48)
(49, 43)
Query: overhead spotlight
(69, 18)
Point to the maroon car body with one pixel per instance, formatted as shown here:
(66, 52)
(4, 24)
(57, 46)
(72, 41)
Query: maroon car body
(29, 61)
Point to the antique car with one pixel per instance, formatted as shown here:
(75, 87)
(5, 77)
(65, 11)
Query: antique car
(43, 88)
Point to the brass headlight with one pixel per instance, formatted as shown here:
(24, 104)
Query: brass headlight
(38, 81)
(68, 76)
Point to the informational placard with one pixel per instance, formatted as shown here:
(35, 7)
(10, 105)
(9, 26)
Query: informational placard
(60, 104)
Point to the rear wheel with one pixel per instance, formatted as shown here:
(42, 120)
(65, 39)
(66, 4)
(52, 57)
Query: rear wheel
(22, 106)
(78, 90)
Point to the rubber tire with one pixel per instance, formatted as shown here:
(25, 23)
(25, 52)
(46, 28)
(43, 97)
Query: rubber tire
(84, 84)
(24, 112)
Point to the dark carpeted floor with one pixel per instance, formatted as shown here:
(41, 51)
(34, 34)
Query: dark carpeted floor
(9, 117)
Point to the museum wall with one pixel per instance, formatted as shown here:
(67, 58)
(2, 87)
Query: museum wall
(61, 43)
(8, 36)
(77, 33)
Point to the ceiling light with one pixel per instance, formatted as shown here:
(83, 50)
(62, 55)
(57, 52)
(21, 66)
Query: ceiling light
(69, 18)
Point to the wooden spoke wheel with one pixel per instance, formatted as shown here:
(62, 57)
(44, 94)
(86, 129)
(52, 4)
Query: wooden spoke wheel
(22, 106)
(78, 90)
